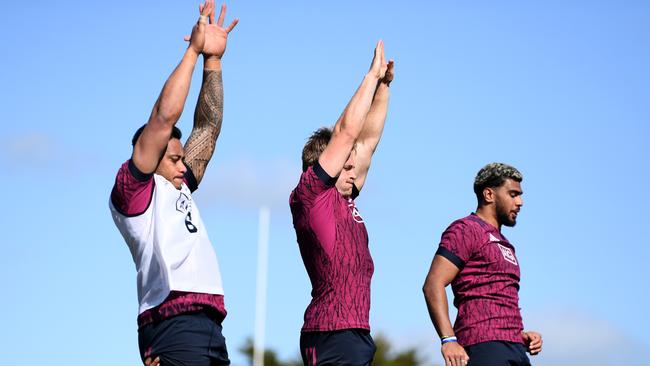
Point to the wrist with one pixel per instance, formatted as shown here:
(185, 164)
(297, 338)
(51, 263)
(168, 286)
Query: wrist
(448, 339)
(373, 76)
(192, 52)
(383, 85)
(211, 63)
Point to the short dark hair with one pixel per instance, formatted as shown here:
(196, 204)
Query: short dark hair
(176, 134)
(315, 146)
(494, 175)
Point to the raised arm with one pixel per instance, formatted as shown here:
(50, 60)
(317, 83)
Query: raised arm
(373, 127)
(441, 273)
(208, 114)
(350, 123)
(151, 145)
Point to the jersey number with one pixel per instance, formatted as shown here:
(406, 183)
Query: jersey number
(188, 223)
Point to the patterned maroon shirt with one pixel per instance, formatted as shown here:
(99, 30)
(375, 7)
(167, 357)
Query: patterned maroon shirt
(179, 302)
(486, 290)
(333, 244)
(131, 195)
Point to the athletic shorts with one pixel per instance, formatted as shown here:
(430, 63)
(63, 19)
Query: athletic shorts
(187, 339)
(497, 353)
(353, 347)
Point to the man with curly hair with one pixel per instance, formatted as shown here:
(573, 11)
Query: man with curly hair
(480, 263)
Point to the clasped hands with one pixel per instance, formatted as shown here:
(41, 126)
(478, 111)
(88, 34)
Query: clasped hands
(379, 68)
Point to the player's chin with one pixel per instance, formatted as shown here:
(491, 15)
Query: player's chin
(177, 182)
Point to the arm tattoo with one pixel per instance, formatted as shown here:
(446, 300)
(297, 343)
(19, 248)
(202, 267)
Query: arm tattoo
(207, 124)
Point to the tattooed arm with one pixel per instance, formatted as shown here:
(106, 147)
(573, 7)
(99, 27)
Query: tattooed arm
(209, 108)
(207, 123)
(151, 145)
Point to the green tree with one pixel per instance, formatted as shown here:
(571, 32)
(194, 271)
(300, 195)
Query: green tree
(270, 356)
(385, 356)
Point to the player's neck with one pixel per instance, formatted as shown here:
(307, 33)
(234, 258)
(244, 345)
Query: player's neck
(487, 214)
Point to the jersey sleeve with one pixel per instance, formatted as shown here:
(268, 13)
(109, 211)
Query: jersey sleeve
(458, 243)
(132, 191)
(313, 182)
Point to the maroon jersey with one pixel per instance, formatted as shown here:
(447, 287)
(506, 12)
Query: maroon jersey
(333, 244)
(486, 290)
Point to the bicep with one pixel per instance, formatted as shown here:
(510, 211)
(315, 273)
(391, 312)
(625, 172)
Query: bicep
(442, 271)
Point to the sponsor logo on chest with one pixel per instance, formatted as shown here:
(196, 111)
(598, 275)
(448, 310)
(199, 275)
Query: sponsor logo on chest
(507, 253)
(356, 216)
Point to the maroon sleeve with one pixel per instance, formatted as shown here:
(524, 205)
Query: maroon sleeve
(458, 243)
(312, 183)
(132, 192)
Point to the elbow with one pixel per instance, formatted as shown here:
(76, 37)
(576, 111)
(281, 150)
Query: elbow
(162, 122)
(349, 130)
(431, 288)
(168, 113)
(168, 116)
(427, 289)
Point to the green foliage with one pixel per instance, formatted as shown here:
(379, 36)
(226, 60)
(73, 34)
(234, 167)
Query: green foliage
(385, 356)
(270, 356)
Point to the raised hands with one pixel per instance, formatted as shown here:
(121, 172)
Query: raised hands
(388, 76)
(378, 65)
(379, 68)
(216, 36)
(197, 39)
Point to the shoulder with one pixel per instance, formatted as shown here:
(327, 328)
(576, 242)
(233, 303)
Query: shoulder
(466, 225)
(312, 183)
(132, 190)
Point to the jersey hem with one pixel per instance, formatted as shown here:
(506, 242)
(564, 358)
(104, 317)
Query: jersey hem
(334, 328)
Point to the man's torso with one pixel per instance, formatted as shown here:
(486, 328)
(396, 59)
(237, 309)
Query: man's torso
(333, 244)
(486, 287)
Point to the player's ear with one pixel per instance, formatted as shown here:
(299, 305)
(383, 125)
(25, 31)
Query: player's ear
(488, 195)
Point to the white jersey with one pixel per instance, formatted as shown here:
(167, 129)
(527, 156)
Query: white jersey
(167, 239)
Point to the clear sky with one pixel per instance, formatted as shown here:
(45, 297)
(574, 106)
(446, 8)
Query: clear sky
(559, 89)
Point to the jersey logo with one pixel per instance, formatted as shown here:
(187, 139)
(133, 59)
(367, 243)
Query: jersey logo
(507, 254)
(184, 205)
(493, 238)
(356, 216)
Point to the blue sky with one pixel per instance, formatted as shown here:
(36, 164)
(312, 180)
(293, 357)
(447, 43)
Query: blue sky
(559, 89)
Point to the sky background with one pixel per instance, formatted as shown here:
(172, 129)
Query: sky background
(559, 89)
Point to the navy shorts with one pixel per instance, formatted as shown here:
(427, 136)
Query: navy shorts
(497, 353)
(353, 347)
(187, 339)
